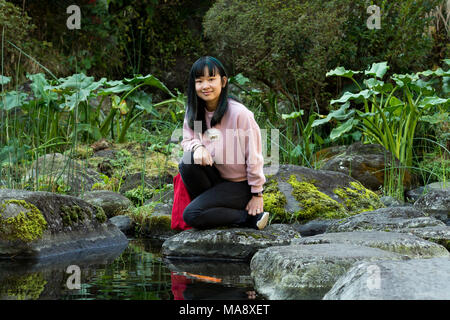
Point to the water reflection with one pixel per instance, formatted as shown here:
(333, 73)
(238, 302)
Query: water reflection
(135, 272)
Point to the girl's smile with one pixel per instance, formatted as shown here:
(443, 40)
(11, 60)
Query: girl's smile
(209, 87)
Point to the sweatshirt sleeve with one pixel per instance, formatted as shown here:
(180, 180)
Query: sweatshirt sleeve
(253, 151)
(190, 139)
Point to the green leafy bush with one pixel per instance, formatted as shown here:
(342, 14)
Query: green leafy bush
(289, 45)
(14, 27)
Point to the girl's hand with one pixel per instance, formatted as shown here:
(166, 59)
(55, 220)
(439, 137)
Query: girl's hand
(202, 157)
(255, 206)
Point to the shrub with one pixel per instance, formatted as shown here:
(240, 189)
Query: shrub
(289, 45)
(14, 27)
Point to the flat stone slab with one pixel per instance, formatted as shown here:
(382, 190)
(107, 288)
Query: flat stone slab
(227, 244)
(307, 271)
(385, 219)
(438, 234)
(36, 225)
(416, 279)
(405, 244)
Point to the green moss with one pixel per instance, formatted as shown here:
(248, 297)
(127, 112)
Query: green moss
(28, 225)
(358, 199)
(158, 223)
(274, 201)
(71, 214)
(100, 215)
(315, 204)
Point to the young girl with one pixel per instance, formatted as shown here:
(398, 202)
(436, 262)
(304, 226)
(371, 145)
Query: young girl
(222, 164)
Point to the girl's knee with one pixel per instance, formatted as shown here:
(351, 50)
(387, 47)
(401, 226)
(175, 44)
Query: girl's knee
(190, 217)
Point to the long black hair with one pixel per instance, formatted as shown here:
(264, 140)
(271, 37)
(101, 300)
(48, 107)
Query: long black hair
(195, 105)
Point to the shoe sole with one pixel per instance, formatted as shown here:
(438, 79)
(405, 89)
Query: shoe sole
(262, 223)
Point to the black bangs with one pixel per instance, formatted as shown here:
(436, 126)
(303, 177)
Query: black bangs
(198, 69)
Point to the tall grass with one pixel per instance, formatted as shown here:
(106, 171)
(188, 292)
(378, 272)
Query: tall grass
(52, 115)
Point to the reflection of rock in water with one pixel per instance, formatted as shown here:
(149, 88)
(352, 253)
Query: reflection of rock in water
(22, 287)
(210, 280)
(46, 278)
(229, 273)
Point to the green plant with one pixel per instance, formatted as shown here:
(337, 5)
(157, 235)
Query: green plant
(139, 195)
(306, 147)
(388, 112)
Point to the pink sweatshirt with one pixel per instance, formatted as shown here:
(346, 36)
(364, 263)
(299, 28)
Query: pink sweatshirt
(234, 144)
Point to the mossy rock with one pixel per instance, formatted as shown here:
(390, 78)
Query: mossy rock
(41, 224)
(21, 220)
(153, 221)
(299, 194)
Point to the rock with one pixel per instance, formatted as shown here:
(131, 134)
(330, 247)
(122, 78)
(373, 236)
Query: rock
(43, 224)
(438, 234)
(158, 223)
(112, 203)
(438, 186)
(226, 244)
(297, 272)
(414, 194)
(124, 223)
(301, 194)
(404, 244)
(327, 153)
(100, 145)
(313, 227)
(106, 153)
(389, 201)
(367, 163)
(385, 219)
(417, 279)
(60, 173)
(435, 203)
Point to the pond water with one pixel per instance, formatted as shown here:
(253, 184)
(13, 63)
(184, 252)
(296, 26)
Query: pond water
(135, 272)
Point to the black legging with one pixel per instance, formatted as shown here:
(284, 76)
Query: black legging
(215, 201)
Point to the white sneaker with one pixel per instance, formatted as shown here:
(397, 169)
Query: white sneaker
(262, 222)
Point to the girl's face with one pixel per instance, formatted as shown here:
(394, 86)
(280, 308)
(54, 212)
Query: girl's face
(208, 87)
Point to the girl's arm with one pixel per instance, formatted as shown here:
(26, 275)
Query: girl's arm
(190, 139)
(253, 152)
